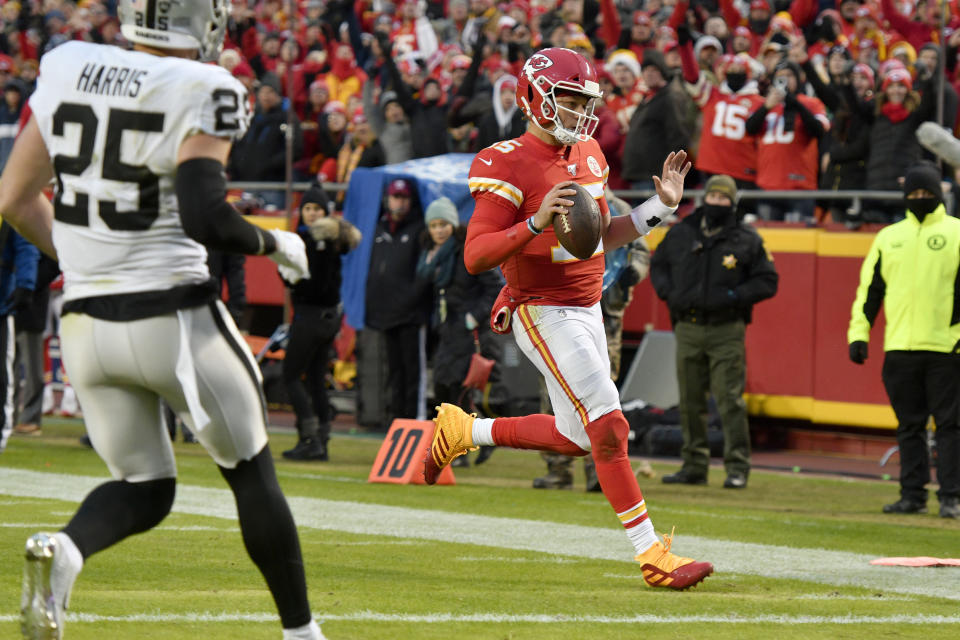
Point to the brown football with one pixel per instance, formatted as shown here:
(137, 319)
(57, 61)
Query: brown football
(578, 230)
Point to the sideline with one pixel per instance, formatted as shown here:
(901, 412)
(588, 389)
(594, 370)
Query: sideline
(535, 618)
(772, 561)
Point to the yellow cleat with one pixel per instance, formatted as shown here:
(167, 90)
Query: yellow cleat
(664, 569)
(452, 437)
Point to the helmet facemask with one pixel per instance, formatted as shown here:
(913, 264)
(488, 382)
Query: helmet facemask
(550, 110)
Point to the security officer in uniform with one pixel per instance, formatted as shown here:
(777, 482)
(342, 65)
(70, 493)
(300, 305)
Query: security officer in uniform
(711, 269)
(912, 270)
(616, 298)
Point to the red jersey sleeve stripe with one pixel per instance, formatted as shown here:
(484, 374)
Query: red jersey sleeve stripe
(501, 188)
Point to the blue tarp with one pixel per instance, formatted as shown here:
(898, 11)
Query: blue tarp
(434, 177)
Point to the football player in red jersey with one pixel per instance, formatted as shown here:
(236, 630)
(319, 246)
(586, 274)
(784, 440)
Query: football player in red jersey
(552, 299)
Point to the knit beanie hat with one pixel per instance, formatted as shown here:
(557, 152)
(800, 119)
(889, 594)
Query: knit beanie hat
(271, 80)
(316, 195)
(653, 58)
(923, 175)
(722, 184)
(442, 209)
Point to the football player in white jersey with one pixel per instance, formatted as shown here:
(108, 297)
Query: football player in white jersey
(136, 142)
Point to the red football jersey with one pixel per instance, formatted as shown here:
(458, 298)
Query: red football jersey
(725, 145)
(515, 175)
(788, 159)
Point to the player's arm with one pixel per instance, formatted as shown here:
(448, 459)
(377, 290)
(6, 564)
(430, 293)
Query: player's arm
(22, 202)
(492, 236)
(208, 218)
(624, 229)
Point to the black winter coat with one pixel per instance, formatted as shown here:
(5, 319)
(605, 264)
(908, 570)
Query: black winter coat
(894, 145)
(849, 139)
(262, 152)
(393, 297)
(322, 288)
(656, 129)
(488, 129)
(695, 272)
(428, 121)
(465, 293)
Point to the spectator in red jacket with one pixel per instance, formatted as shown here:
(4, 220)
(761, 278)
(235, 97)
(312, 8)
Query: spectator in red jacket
(640, 34)
(725, 146)
(789, 126)
(925, 28)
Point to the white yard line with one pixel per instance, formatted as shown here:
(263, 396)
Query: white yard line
(536, 618)
(772, 561)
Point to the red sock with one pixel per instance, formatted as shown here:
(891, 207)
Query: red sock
(608, 437)
(537, 431)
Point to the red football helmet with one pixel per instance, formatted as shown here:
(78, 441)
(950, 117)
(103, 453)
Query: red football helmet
(554, 70)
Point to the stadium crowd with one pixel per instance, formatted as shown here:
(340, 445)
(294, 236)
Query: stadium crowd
(780, 94)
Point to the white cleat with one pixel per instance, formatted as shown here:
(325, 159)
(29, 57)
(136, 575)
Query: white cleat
(47, 580)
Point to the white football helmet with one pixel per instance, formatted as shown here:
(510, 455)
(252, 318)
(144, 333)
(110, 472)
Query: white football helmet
(176, 24)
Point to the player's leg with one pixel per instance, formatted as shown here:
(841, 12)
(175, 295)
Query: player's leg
(572, 343)
(7, 380)
(125, 427)
(554, 345)
(233, 429)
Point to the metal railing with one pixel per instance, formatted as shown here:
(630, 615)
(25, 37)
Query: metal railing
(855, 196)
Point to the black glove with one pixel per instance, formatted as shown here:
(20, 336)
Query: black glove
(858, 352)
(481, 41)
(629, 277)
(21, 298)
(683, 35)
(386, 47)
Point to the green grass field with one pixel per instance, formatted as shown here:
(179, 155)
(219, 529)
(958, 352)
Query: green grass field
(488, 558)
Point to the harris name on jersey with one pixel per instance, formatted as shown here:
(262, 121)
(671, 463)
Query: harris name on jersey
(102, 79)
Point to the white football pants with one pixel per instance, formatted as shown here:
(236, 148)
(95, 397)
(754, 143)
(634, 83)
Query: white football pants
(569, 348)
(195, 359)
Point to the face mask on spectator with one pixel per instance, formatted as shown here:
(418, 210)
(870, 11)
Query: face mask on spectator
(759, 26)
(717, 214)
(922, 207)
(736, 81)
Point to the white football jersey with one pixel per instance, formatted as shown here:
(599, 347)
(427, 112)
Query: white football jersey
(113, 121)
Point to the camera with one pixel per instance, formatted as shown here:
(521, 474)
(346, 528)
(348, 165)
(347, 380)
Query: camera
(780, 83)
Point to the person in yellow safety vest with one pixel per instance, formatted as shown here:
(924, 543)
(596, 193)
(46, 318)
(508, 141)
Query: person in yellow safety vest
(912, 270)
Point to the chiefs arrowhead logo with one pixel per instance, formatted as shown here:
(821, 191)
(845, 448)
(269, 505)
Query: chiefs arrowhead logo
(537, 62)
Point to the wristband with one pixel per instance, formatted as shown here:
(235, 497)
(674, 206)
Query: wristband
(650, 214)
(532, 228)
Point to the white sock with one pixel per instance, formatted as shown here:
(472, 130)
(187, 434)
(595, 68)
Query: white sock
(67, 563)
(642, 536)
(309, 631)
(483, 431)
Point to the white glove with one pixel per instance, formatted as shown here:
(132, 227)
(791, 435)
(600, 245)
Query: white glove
(292, 275)
(291, 255)
(325, 229)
